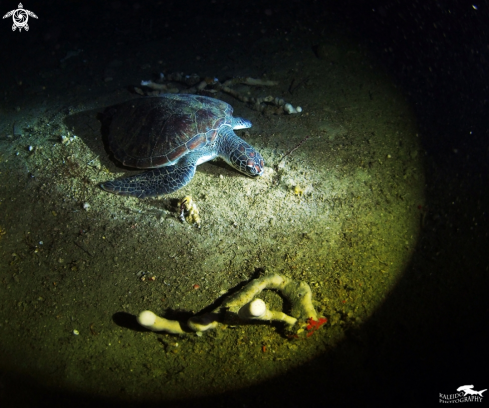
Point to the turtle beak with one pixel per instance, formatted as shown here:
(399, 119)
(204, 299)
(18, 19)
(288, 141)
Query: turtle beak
(255, 167)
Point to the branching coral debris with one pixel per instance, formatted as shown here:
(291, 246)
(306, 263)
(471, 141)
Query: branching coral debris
(194, 84)
(242, 307)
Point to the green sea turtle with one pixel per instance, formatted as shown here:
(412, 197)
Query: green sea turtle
(172, 134)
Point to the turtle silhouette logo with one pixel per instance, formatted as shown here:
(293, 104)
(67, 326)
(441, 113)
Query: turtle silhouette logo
(20, 17)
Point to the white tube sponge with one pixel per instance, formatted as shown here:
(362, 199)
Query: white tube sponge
(280, 316)
(204, 322)
(290, 109)
(298, 293)
(257, 309)
(156, 323)
(253, 310)
(242, 306)
(300, 297)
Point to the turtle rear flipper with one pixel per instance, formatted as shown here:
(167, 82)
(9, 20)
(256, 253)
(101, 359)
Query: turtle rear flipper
(155, 182)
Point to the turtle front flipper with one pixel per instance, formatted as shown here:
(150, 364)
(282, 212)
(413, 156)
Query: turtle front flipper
(155, 182)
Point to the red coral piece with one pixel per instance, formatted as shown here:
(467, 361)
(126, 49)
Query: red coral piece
(314, 325)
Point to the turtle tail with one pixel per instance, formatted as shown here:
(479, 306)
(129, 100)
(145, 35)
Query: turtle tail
(155, 182)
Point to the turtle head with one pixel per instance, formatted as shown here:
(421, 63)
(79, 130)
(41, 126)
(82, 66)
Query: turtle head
(239, 154)
(255, 166)
(247, 160)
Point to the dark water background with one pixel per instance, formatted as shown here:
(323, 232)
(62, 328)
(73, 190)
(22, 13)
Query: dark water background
(438, 55)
